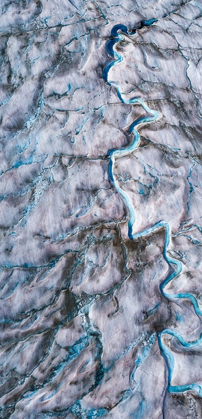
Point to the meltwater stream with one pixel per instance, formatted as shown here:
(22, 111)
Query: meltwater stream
(175, 266)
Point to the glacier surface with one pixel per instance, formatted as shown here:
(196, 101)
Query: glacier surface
(101, 209)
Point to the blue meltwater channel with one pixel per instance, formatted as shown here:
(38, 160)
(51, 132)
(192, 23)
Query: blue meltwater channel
(175, 266)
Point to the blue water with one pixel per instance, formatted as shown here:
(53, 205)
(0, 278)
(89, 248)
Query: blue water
(174, 264)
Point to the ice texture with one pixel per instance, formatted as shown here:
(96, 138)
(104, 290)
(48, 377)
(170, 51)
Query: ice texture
(101, 209)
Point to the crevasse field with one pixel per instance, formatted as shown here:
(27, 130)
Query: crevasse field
(101, 209)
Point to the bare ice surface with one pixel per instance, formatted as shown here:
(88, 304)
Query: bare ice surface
(101, 209)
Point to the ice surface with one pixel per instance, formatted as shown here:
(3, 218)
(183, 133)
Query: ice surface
(96, 322)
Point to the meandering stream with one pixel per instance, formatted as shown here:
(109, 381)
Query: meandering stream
(175, 266)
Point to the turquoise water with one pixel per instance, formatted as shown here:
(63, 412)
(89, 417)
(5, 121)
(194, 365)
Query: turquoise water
(175, 266)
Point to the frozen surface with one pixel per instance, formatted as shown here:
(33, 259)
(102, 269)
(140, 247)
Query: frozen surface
(97, 320)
